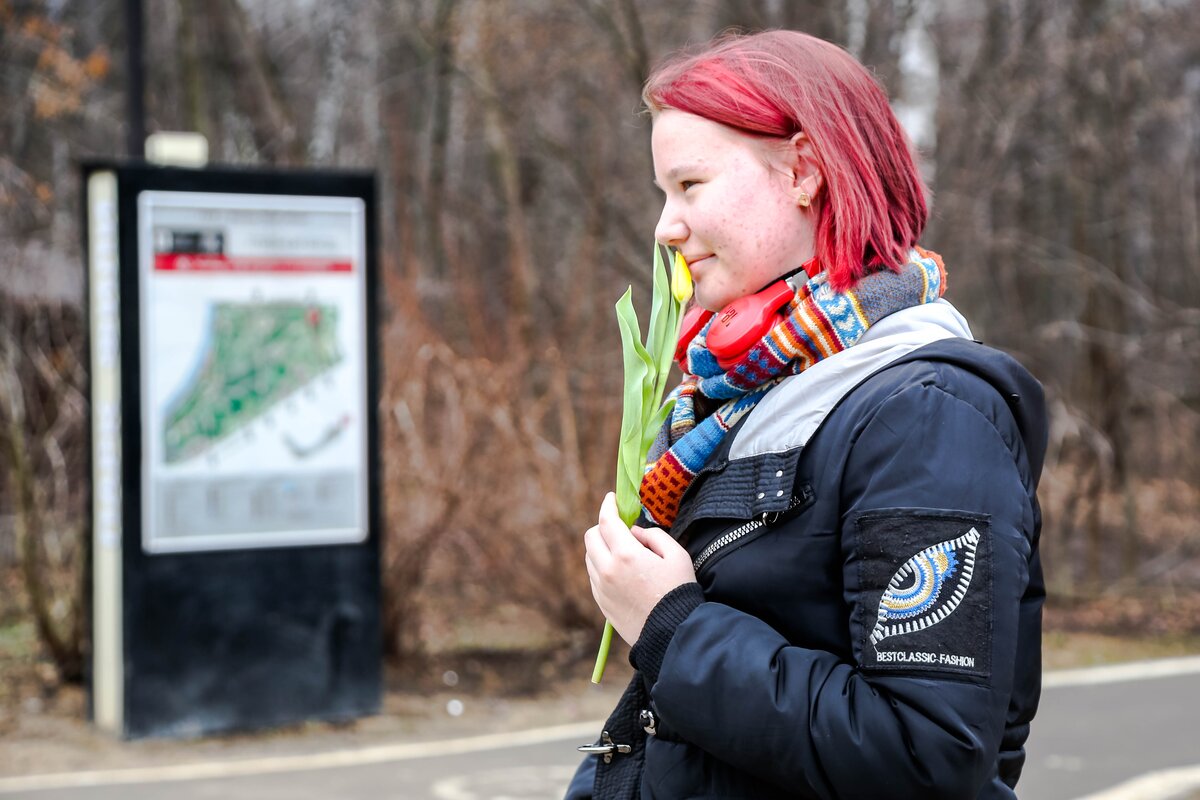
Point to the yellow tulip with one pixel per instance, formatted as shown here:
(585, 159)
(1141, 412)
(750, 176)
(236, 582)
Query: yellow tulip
(681, 279)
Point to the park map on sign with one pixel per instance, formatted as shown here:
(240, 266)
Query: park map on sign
(256, 355)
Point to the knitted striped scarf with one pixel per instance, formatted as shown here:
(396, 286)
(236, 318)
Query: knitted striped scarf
(817, 323)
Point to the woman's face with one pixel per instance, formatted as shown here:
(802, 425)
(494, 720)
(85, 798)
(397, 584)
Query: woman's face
(731, 205)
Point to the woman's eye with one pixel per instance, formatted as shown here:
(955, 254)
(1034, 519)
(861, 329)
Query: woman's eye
(688, 184)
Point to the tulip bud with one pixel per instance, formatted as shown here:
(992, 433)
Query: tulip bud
(681, 279)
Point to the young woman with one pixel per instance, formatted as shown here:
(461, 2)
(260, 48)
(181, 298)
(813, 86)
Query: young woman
(836, 591)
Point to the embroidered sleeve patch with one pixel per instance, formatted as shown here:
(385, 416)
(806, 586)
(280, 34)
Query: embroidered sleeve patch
(926, 583)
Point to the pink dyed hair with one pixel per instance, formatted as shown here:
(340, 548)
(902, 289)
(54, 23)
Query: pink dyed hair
(872, 207)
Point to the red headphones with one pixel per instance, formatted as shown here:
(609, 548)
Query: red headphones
(739, 325)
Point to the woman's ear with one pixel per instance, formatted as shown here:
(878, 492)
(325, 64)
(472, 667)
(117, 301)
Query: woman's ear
(805, 170)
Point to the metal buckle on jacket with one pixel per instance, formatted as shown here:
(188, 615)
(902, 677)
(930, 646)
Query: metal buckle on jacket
(605, 747)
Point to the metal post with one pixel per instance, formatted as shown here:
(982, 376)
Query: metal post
(136, 79)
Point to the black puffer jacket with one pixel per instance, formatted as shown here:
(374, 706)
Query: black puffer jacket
(866, 622)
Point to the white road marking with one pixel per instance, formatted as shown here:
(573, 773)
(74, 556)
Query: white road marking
(1091, 676)
(1161, 785)
(1065, 763)
(513, 783)
(583, 731)
(1116, 673)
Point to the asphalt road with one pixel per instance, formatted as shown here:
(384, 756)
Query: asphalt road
(1086, 738)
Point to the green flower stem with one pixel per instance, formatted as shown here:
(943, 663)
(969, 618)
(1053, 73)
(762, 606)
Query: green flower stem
(602, 656)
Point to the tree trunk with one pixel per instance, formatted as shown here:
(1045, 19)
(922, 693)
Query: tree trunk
(64, 650)
(256, 89)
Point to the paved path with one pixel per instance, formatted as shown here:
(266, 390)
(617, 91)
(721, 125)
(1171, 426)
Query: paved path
(1096, 729)
(1089, 737)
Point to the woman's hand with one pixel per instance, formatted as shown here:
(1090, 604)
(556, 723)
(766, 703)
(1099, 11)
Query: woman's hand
(631, 569)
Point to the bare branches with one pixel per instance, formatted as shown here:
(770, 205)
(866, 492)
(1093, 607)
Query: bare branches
(1051, 195)
(42, 415)
(480, 458)
(622, 26)
(258, 93)
(516, 203)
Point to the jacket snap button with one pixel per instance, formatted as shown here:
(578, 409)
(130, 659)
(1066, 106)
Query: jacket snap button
(779, 493)
(761, 495)
(779, 474)
(605, 748)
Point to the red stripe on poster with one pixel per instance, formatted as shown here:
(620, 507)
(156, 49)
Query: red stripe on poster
(210, 262)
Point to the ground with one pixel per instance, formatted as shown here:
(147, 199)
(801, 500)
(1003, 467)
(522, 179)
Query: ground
(43, 727)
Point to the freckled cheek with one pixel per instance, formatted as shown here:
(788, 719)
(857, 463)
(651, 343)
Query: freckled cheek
(741, 205)
(748, 222)
(772, 242)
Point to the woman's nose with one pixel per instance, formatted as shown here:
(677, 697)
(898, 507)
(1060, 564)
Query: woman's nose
(671, 229)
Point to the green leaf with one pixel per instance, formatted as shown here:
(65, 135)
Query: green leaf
(643, 413)
(660, 309)
(664, 328)
(656, 422)
(667, 357)
(630, 458)
(649, 400)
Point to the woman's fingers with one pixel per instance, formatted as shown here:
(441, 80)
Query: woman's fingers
(608, 510)
(654, 539)
(599, 563)
(595, 547)
(676, 565)
(614, 532)
(631, 570)
(608, 507)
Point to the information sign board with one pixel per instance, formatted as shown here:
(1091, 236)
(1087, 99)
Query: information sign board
(234, 387)
(253, 370)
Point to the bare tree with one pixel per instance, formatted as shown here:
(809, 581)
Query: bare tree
(42, 410)
(516, 204)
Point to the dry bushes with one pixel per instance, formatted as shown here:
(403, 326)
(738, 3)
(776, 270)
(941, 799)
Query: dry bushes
(1114, 535)
(494, 466)
(485, 484)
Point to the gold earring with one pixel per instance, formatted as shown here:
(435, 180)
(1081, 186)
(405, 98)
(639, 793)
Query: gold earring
(804, 200)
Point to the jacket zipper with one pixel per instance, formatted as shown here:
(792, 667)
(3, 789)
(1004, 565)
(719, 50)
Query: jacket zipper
(740, 532)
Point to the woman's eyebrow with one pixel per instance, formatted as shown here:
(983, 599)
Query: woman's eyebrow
(674, 172)
(681, 169)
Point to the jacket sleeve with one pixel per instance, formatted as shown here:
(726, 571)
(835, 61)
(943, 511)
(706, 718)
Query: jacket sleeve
(926, 723)
(581, 784)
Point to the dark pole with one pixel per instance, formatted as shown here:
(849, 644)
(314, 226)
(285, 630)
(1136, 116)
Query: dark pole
(136, 79)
